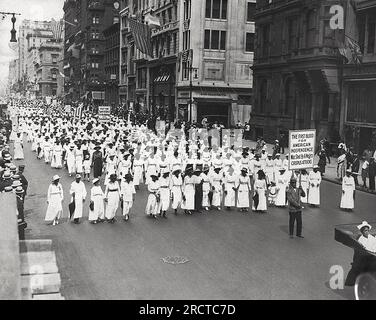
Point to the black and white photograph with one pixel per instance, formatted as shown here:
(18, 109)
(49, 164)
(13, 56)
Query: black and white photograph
(206, 152)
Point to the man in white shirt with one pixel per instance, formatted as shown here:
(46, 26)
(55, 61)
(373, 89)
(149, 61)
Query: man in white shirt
(367, 240)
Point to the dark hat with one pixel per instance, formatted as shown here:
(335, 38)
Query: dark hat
(21, 167)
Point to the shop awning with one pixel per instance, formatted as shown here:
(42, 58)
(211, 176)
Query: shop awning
(162, 78)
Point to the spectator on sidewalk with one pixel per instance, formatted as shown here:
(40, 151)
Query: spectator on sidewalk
(326, 146)
(276, 148)
(355, 168)
(322, 161)
(372, 174)
(341, 164)
(282, 142)
(365, 173)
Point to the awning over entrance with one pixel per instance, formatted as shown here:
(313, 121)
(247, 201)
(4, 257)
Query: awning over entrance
(162, 78)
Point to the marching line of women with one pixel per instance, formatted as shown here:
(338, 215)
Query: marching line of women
(179, 173)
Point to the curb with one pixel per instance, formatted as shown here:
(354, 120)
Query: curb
(339, 183)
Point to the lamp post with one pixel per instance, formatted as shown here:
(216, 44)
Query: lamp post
(13, 31)
(191, 69)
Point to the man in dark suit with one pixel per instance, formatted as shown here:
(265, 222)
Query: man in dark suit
(23, 180)
(294, 195)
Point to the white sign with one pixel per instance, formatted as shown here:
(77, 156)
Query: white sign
(302, 149)
(104, 113)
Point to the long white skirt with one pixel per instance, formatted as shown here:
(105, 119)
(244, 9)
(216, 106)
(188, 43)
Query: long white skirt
(230, 198)
(281, 195)
(176, 197)
(151, 205)
(79, 208)
(112, 205)
(243, 199)
(189, 203)
(347, 199)
(98, 211)
(138, 177)
(205, 198)
(165, 199)
(262, 205)
(18, 151)
(314, 195)
(54, 208)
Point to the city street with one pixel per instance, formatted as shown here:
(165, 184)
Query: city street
(231, 255)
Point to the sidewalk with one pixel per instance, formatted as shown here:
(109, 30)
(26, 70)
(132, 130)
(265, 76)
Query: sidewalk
(330, 169)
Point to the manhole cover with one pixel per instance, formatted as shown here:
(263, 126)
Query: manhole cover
(175, 260)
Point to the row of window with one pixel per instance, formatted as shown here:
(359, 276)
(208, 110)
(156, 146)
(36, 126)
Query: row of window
(216, 40)
(217, 9)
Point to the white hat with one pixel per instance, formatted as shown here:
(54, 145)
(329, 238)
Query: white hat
(55, 177)
(315, 166)
(95, 180)
(78, 176)
(364, 224)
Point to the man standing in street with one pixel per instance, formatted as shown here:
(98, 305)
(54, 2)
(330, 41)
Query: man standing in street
(294, 195)
(23, 180)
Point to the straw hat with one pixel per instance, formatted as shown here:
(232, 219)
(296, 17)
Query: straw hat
(55, 177)
(364, 224)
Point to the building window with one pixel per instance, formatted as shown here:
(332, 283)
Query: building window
(311, 28)
(186, 40)
(265, 40)
(263, 95)
(289, 104)
(187, 9)
(216, 9)
(95, 20)
(249, 42)
(251, 8)
(95, 65)
(292, 33)
(141, 78)
(185, 71)
(371, 36)
(215, 40)
(362, 33)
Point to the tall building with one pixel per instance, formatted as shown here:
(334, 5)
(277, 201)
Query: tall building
(48, 69)
(202, 54)
(84, 71)
(358, 117)
(13, 74)
(25, 39)
(296, 69)
(111, 64)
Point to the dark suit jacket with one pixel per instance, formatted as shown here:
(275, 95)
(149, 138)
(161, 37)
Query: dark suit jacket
(293, 196)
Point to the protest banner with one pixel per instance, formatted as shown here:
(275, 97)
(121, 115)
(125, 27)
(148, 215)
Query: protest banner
(104, 114)
(302, 149)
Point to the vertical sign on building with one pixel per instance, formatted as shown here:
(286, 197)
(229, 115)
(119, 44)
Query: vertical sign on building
(302, 149)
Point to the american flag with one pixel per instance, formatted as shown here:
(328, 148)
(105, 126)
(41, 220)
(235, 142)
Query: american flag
(142, 36)
(57, 28)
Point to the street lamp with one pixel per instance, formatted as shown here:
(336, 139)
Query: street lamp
(13, 31)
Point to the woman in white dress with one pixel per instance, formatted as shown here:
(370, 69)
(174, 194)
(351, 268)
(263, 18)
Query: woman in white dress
(260, 189)
(79, 159)
(97, 198)
(282, 182)
(57, 152)
(18, 147)
(230, 182)
(112, 198)
(244, 187)
(55, 197)
(189, 192)
(314, 180)
(348, 191)
(138, 170)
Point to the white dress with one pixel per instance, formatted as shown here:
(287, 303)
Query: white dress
(138, 169)
(189, 193)
(314, 180)
(176, 184)
(260, 189)
(97, 196)
(244, 186)
(216, 182)
(55, 197)
(56, 157)
(80, 194)
(348, 188)
(205, 190)
(164, 191)
(113, 198)
(152, 203)
(230, 182)
(127, 192)
(18, 149)
(282, 183)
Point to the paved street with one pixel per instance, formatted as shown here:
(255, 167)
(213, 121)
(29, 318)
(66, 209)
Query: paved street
(232, 255)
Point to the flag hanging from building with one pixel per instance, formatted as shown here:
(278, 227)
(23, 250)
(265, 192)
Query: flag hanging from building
(75, 51)
(152, 21)
(57, 28)
(187, 55)
(142, 36)
(350, 51)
